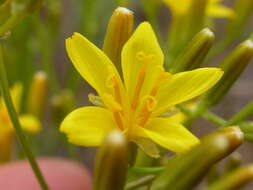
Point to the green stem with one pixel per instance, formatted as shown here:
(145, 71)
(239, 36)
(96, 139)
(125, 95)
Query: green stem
(241, 115)
(140, 182)
(206, 115)
(16, 124)
(214, 118)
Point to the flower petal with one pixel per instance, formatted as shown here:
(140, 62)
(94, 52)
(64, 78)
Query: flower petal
(170, 135)
(220, 11)
(88, 126)
(147, 146)
(30, 123)
(94, 66)
(178, 7)
(16, 93)
(140, 50)
(185, 86)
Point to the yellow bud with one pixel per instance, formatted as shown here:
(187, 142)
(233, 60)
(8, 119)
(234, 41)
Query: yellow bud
(118, 32)
(38, 94)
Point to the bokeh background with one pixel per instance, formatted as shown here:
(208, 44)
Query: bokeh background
(38, 43)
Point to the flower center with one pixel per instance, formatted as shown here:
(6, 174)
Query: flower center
(149, 100)
(146, 110)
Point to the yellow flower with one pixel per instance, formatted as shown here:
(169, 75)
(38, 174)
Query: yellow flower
(28, 122)
(135, 103)
(214, 8)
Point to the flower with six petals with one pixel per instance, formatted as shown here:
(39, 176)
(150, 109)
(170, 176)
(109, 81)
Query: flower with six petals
(135, 102)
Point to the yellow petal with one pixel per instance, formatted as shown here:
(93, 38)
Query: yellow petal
(179, 6)
(30, 123)
(16, 94)
(94, 66)
(178, 118)
(185, 86)
(220, 11)
(140, 50)
(170, 135)
(147, 146)
(88, 126)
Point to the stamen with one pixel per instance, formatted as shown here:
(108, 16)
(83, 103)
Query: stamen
(119, 119)
(163, 76)
(113, 82)
(145, 60)
(149, 105)
(116, 109)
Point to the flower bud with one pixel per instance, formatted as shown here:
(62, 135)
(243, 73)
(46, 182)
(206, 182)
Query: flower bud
(194, 54)
(118, 32)
(212, 149)
(37, 96)
(111, 163)
(234, 180)
(233, 66)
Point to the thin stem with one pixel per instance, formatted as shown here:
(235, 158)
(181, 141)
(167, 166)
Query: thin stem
(214, 118)
(140, 182)
(241, 115)
(16, 124)
(206, 115)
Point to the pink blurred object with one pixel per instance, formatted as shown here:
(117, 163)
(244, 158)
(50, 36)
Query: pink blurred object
(59, 173)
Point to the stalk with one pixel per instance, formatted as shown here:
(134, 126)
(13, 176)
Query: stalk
(16, 124)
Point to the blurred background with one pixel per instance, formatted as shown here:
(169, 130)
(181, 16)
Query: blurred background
(38, 44)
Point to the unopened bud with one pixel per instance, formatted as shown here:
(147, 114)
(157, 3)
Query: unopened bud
(234, 180)
(233, 66)
(38, 93)
(112, 163)
(212, 149)
(119, 29)
(194, 54)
